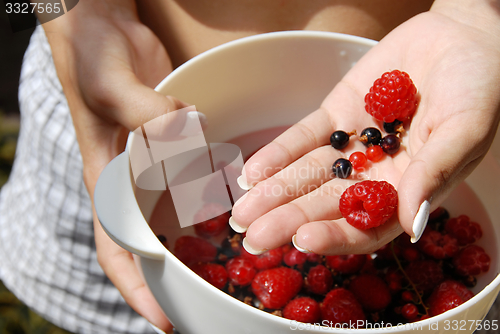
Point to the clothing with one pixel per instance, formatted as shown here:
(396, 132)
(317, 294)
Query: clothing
(47, 250)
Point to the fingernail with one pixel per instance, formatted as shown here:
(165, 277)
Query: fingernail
(202, 117)
(237, 228)
(156, 329)
(420, 220)
(251, 250)
(195, 123)
(300, 249)
(242, 180)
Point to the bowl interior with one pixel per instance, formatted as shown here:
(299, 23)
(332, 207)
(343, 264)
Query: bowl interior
(266, 83)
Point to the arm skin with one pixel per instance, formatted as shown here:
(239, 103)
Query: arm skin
(107, 62)
(452, 54)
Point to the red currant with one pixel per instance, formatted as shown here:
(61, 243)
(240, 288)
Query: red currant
(409, 311)
(358, 160)
(374, 153)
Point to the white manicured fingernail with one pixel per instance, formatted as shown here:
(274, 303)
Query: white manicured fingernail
(251, 250)
(420, 220)
(195, 123)
(242, 182)
(237, 228)
(300, 249)
(156, 329)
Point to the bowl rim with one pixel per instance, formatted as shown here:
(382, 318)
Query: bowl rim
(266, 36)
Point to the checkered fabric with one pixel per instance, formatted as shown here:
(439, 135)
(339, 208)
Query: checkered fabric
(47, 251)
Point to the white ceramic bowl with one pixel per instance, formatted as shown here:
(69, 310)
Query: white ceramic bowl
(251, 84)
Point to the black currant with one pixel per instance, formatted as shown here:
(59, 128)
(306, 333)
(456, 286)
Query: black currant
(370, 136)
(390, 144)
(394, 127)
(342, 168)
(339, 139)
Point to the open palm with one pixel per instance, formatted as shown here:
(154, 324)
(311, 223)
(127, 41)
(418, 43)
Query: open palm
(456, 70)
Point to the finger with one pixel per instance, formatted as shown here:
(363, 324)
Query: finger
(343, 109)
(117, 263)
(304, 136)
(298, 179)
(277, 227)
(120, 97)
(100, 140)
(337, 237)
(442, 162)
(119, 266)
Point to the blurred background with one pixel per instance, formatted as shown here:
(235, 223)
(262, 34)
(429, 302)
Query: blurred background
(15, 317)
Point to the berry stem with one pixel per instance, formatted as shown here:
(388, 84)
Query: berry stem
(414, 288)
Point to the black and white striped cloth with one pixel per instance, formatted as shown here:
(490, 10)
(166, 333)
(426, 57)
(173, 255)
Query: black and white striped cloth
(47, 250)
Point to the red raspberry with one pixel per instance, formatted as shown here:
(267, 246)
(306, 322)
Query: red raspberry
(294, 258)
(411, 254)
(368, 204)
(340, 306)
(409, 311)
(447, 295)
(393, 96)
(275, 287)
(319, 280)
(371, 292)
(437, 245)
(286, 248)
(303, 309)
(191, 250)
(240, 271)
(471, 260)
(374, 153)
(346, 264)
(358, 160)
(314, 258)
(462, 228)
(425, 274)
(213, 273)
(211, 227)
(267, 260)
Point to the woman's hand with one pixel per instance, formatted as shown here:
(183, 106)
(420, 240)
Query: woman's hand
(107, 62)
(452, 54)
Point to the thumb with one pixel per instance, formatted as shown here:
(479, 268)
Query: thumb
(444, 160)
(124, 99)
